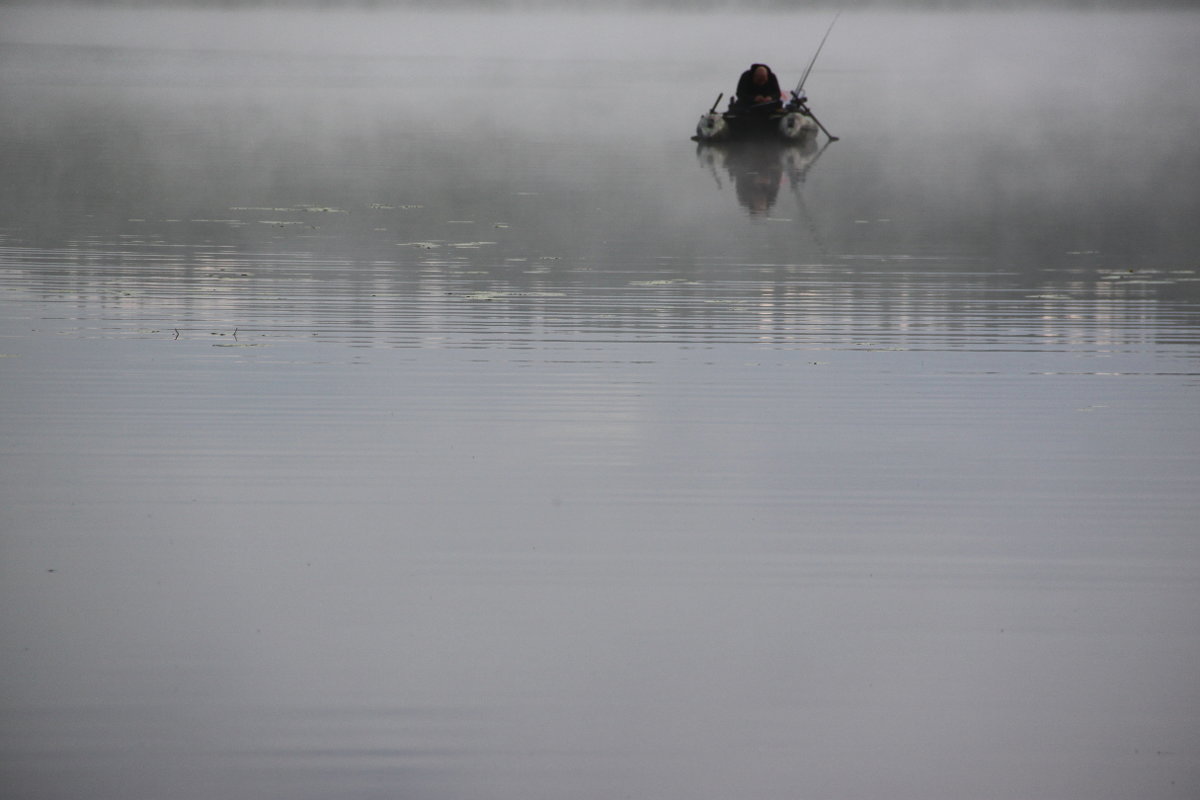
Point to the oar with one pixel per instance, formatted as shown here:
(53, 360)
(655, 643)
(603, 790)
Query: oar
(805, 110)
(713, 110)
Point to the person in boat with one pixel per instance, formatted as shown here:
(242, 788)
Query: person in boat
(758, 91)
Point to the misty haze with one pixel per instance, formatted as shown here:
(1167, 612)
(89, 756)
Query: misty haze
(396, 402)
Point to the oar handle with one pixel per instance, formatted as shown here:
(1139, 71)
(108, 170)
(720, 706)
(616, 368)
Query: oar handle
(713, 110)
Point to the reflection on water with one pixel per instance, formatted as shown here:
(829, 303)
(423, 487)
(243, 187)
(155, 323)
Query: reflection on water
(366, 438)
(758, 170)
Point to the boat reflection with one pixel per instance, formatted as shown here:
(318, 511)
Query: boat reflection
(758, 169)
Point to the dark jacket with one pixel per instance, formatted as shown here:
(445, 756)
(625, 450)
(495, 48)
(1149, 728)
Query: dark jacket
(747, 91)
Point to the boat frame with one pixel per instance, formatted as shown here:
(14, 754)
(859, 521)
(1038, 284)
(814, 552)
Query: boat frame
(787, 124)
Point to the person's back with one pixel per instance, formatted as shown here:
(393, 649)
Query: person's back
(758, 90)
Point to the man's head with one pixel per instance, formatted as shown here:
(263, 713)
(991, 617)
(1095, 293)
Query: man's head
(760, 75)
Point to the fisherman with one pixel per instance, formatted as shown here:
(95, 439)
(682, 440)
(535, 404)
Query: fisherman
(758, 90)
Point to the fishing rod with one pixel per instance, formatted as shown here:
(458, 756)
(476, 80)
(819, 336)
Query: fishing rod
(798, 93)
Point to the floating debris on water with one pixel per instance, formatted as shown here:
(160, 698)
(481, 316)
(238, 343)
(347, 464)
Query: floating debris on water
(487, 296)
(307, 209)
(1139, 276)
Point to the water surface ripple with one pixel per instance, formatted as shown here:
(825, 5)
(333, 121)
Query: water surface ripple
(392, 406)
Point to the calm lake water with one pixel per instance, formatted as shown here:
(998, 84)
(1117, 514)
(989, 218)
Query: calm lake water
(402, 406)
